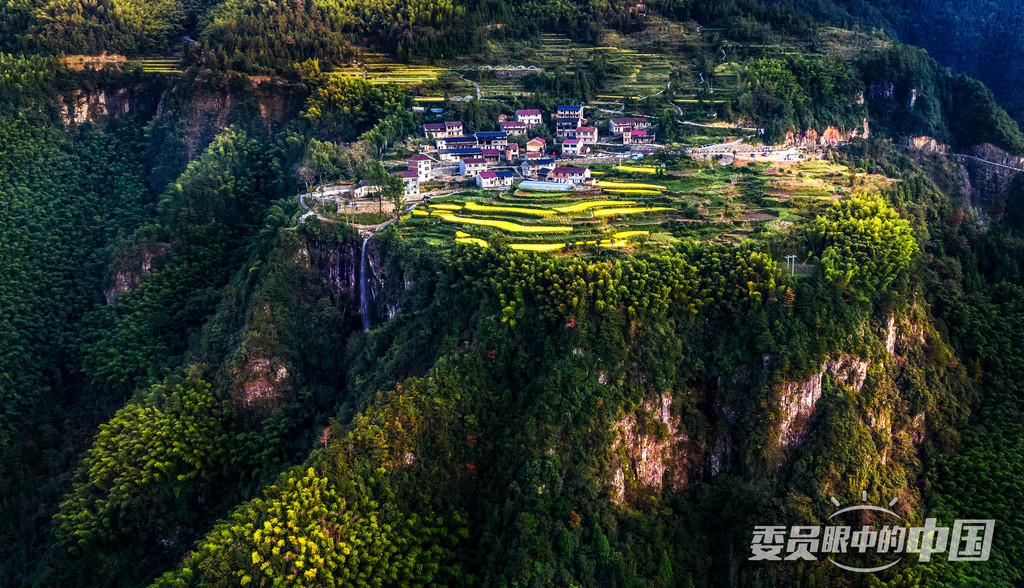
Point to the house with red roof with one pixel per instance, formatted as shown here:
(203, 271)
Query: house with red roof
(530, 118)
(472, 166)
(421, 164)
(587, 135)
(637, 137)
(536, 145)
(569, 175)
(573, 148)
(514, 127)
(617, 126)
(495, 180)
(410, 181)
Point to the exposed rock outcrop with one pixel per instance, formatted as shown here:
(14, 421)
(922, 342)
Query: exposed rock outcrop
(830, 137)
(134, 266)
(651, 443)
(799, 399)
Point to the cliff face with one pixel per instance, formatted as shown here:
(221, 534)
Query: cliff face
(653, 450)
(830, 137)
(340, 265)
(133, 266)
(989, 173)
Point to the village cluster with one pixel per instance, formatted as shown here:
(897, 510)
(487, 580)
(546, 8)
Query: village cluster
(496, 160)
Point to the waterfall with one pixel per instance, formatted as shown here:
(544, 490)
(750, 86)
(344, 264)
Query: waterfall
(364, 301)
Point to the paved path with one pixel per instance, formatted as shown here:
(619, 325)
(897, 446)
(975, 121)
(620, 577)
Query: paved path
(965, 156)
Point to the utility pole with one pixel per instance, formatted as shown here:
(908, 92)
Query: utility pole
(791, 264)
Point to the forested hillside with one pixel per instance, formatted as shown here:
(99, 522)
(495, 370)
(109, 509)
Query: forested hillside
(608, 389)
(983, 39)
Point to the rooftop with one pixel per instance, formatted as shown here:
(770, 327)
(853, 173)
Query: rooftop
(533, 112)
(546, 161)
(572, 171)
(552, 186)
(493, 134)
(472, 160)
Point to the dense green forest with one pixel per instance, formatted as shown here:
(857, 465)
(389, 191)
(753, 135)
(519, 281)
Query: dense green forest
(982, 38)
(187, 397)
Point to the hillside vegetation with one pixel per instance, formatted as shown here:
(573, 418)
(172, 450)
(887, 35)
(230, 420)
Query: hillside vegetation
(610, 387)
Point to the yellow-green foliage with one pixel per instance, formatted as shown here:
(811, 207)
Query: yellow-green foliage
(504, 225)
(512, 209)
(472, 241)
(628, 234)
(176, 438)
(863, 243)
(538, 247)
(618, 211)
(592, 204)
(629, 186)
(642, 170)
(647, 192)
(446, 206)
(303, 532)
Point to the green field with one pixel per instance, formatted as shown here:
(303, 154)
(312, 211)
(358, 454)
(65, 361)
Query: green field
(631, 209)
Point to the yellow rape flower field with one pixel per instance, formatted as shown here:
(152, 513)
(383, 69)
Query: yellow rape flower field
(504, 225)
(629, 185)
(632, 191)
(618, 211)
(512, 209)
(537, 247)
(592, 204)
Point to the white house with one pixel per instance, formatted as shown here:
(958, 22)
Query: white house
(536, 145)
(530, 118)
(573, 147)
(494, 139)
(569, 175)
(637, 137)
(530, 167)
(434, 130)
(495, 180)
(617, 126)
(472, 166)
(420, 164)
(364, 189)
(451, 128)
(514, 127)
(587, 135)
(411, 182)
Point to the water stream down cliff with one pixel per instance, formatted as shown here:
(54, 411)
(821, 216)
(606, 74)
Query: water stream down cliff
(364, 300)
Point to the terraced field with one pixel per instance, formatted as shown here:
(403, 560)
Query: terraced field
(391, 73)
(160, 66)
(633, 207)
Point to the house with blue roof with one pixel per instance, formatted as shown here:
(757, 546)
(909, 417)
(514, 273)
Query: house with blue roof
(495, 180)
(493, 139)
